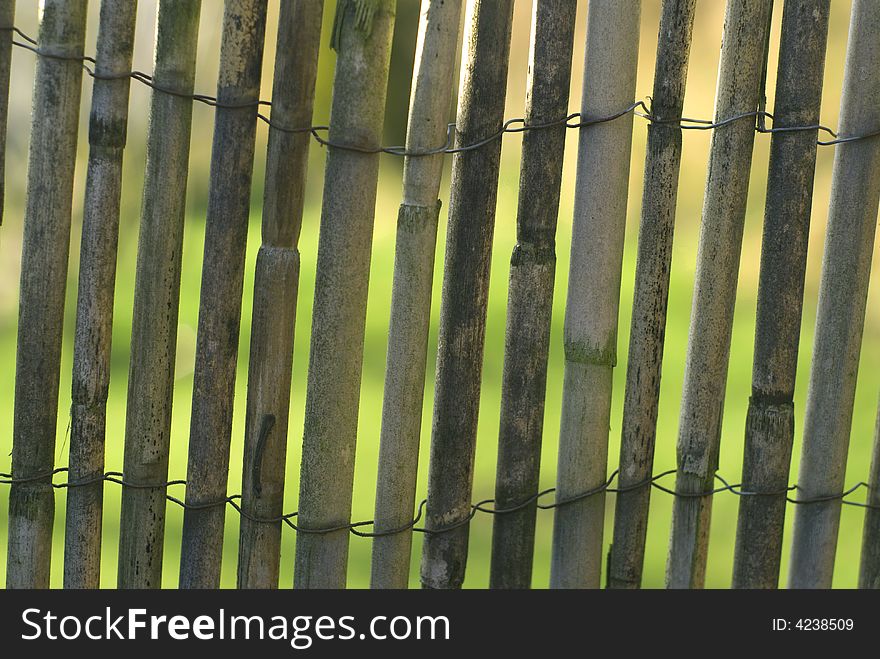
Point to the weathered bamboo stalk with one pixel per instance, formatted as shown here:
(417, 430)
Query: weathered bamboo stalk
(591, 312)
(411, 292)
(45, 251)
(740, 79)
(276, 285)
(530, 296)
(157, 297)
(465, 292)
(770, 420)
(226, 227)
(7, 20)
(362, 39)
(869, 569)
(94, 312)
(846, 267)
(654, 260)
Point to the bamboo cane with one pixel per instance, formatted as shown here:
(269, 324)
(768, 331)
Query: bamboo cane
(645, 359)
(740, 79)
(7, 20)
(530, 297)
(94, 316)
(869, 570)
(275, 293)
(594, 289)
(156, 298)
(465, 291)
(45, 251)
(846, 267)
(362, 38)
(411, 292)
(770, 420)
(229, 204)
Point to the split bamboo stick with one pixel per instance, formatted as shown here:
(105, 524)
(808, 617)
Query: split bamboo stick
(869, 569)
(7, 20)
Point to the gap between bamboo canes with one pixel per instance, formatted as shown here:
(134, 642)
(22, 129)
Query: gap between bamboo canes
(362, 40)
(472, 202)
(276, 286)
(530, 295)
(591, 312)
(411, 291)
(843, 291)
(157, 298)
(740, 79)
(45, 251)
(94, 312)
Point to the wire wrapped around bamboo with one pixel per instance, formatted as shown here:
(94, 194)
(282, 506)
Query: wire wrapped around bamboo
(472, 200)
(593, 302)
(276, 285)
(226, 228)
(157, 297)
(840, 319)
(648, 327)
(45, 251)
(740, 81)
(770, 420)
(94, 311)
(411, 292)
(362, 39)
(530, 296)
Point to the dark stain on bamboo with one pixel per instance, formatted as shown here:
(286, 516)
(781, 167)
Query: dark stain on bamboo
(94, 312)
(157, 297)
(341, 281)
(229, 196)
(651, 294)
(770, 419)
(465, 293)
(275, 294)
(45, 251)
(530, 296)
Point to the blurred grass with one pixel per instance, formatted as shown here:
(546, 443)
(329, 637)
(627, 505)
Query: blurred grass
(699, 104)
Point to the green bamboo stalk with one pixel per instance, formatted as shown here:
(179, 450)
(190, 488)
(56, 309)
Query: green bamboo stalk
(843, 292)
(7, 20)
(363, 44)
(275, 293)
(157, 297)
(45, 251)
(97, 273)
(229, 205)
(465, 292)
(591, 312)
(411, 291)
(645, 360)
(740, 81)
(770, 420)
(869, 570)
(530, 297)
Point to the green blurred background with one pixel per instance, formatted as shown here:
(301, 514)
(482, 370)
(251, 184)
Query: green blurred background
(699, 103)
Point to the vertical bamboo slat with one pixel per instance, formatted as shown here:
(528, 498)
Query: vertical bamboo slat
(472, 200)
(7, 20)
(770, 420)
(157, 297)
(362, 39)
(45, 251)
(869, 569)
(94, 312)
(591, 311)
(530, 296)
(276, 285)
(226, 227)
(846, 267)
(411, 292)
(740, 78)
(648, 326)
